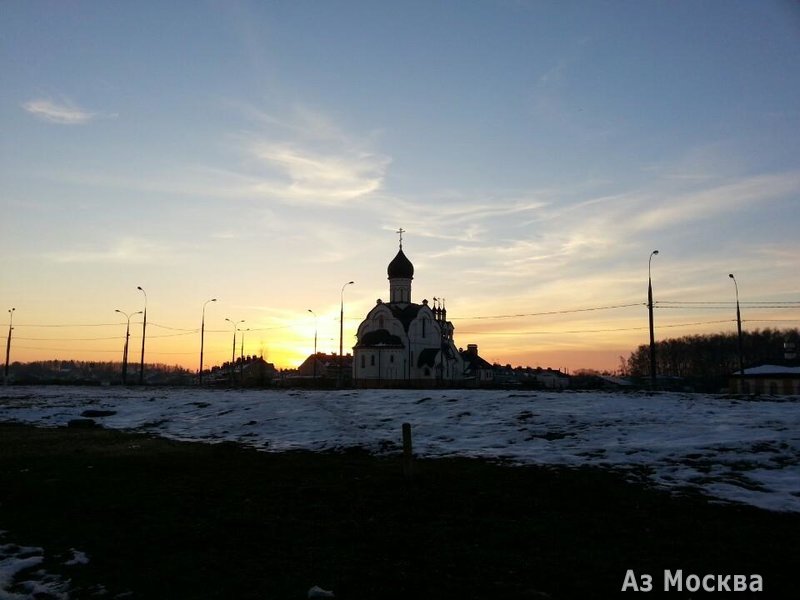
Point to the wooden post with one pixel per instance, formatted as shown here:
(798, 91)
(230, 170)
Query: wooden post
(408, 453)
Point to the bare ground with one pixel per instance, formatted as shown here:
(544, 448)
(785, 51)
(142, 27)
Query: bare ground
(173, 520)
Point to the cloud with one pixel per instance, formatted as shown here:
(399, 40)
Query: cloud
(303, 159)
(589, 247)
(128, 250)
(302, 156)
(298, 173)
(63, 113)
(712, 201)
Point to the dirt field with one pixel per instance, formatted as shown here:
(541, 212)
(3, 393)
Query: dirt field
(162, 519)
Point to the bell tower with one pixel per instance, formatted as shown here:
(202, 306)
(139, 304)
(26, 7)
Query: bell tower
(400, 272)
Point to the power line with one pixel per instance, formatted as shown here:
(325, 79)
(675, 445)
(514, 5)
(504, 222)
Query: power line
(31, 339)
(550, 312)
(578, 331)
(95, 339)
(725, 307)
(195, 330)
(730, 302)
(770, 320)
(70, 325)
(62, 349)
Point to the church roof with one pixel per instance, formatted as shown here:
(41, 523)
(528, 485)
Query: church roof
(400, 267)
(405, 313)
(380, 337)
(427, 357)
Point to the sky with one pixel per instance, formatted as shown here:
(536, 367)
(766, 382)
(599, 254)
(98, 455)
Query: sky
(265, 154)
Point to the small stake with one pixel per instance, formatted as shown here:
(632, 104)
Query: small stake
(408, 453)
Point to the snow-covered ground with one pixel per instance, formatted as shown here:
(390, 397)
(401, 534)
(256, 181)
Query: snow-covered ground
(20, 579)
(731, 449)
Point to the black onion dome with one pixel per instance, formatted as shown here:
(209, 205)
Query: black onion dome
(400, 267)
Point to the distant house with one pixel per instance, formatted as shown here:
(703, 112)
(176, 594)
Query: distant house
(476, 369)
(325, 366)
(551, 379)
(775, 380)
(257, 372)
(248, 371)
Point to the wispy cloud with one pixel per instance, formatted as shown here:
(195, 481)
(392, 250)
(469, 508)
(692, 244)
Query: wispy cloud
(711, 201)
(62, 113)
(302, 156)
(128, 250)
(303, 159)
(585, 248)
(302, 174)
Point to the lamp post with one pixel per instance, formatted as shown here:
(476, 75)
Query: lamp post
(738, 327)
(315, 341)
(127, 337)
(233, 349)
(8, 343)
(144, 327)
(202, 336)
(241, 359)
(341, 331)
(650, 313)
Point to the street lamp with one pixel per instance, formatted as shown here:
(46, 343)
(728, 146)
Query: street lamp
(233, 349)
(650, 312)
(241, 359)
(315, 341)
(738, 327)
(127, 337)
(341, 330)
(8, 343)
(144, 327)
(202, 336)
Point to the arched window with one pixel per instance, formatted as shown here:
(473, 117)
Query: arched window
(363, 361)
(371, 360)
(424, 322)
(380, 321)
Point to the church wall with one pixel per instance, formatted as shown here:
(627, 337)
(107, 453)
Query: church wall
(423, 333)
(379, 363)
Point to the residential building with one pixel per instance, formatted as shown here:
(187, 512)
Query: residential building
(775, 380)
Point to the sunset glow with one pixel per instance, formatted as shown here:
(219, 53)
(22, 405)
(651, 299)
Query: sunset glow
(534, 153)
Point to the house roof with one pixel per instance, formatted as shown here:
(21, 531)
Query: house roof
(766, 370)
(379, 338)
(473, 361)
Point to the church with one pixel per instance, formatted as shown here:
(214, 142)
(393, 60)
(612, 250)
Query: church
(401, 343)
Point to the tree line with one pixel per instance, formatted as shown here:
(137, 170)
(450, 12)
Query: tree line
(79, 371)
(708, 360)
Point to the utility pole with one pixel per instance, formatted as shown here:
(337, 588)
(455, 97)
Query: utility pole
(144, 327)
(652, 332)
(8, 343)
